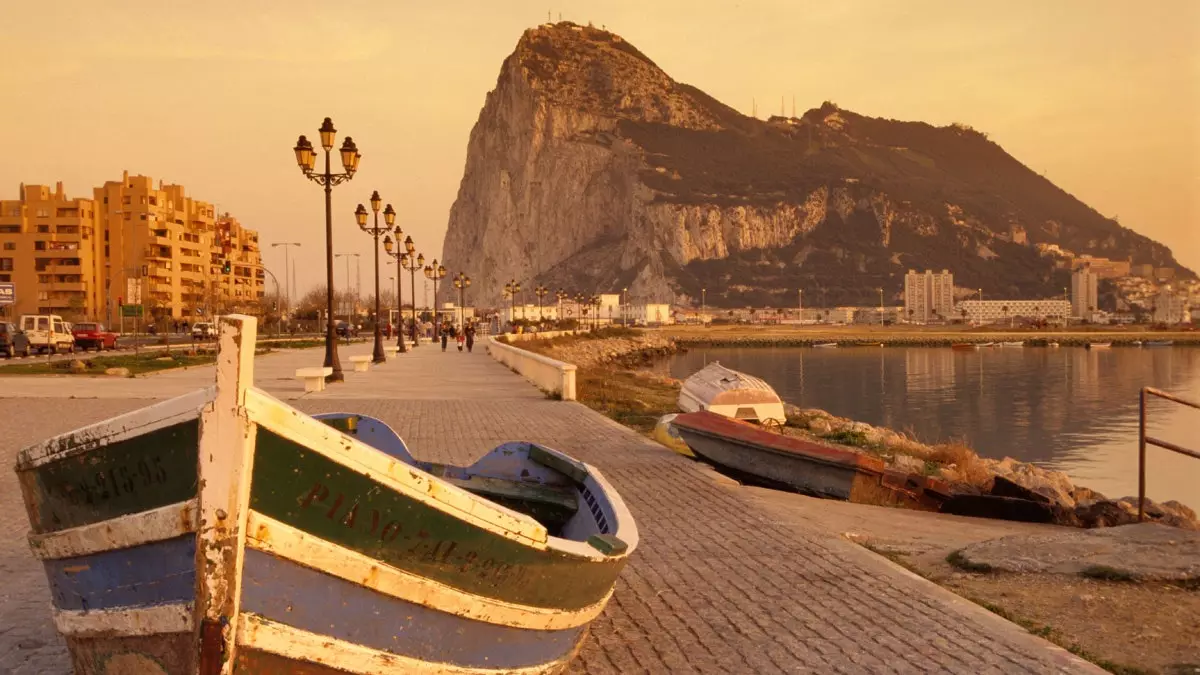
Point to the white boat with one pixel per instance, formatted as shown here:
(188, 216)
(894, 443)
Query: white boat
(825, 345)
(1099, 345)
(730, 393)
(1013, 343)
(1051, 344)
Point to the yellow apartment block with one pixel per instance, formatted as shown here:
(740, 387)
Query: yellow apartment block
(132, 243)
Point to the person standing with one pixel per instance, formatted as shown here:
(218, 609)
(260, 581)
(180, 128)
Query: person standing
(445, 336)
(470, 331)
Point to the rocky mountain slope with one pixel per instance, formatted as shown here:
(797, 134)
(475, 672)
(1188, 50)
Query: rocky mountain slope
(590, 169)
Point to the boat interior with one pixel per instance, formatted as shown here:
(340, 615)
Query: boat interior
(521, 476)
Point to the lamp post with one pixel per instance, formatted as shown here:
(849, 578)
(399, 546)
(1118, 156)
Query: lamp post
(461, 282)
(540, 292)
(306, 159)
(347, 256)
(623, 292)
(703, 294)
(389, 219)
(511, 289)
(800, 304)
(435, 272)
(287, 246)
(408, 262)
(401, 257)
(560, 295)
(880, 306)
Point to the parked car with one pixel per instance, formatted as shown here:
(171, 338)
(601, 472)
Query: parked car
(203, 330)
(94, 336)
(13, 340)
(47, 332)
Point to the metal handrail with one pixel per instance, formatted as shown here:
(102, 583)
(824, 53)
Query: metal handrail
(1143, 440)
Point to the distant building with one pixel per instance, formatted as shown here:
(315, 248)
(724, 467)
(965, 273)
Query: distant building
(1103, 267)
(1164, 273)
(1170, 307)
(654, 314)
(1144, 270)
(1084, 297)
(993, 311)
(928, 295)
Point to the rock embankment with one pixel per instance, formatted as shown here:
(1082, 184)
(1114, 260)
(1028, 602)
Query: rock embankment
(1008, 479)
(628, 348)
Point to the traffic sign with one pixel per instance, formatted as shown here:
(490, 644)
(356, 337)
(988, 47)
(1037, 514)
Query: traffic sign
(131, 310)
(8, 293)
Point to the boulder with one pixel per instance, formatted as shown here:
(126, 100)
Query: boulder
(77, 366)
(908, 463)
(117, 372)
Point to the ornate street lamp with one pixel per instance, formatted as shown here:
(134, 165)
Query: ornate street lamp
(595, 300)
(462, 282)
(412, 264)
(540, 292)
(511, 289)
(560, 295)
(623, 292)
(306, 159)
(399, 255)
(389, 218)
(435, 272)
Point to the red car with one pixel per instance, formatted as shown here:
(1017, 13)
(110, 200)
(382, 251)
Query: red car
(93, 336)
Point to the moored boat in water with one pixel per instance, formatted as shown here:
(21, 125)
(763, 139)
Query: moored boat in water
(964, 346)
(825, 345)
(225, 531)
(730, 393)
(1158, 343)
(1099, 345)
(1013, 343)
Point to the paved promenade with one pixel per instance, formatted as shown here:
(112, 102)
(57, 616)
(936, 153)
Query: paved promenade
(718, 585)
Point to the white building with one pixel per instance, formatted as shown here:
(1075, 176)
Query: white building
(455, 314)
(1084, 298)
(1170, 307)
(928, 295)
(655, 314)
(993, 311)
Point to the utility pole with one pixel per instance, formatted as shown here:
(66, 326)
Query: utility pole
(286, 266)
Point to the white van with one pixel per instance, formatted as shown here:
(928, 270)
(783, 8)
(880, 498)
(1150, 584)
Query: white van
(48, 332)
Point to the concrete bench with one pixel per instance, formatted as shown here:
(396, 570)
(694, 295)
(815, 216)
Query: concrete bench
(361, 363)
(314, 378)
(390, 351)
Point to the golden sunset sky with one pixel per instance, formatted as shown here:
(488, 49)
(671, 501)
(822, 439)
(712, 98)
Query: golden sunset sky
(1102, 96)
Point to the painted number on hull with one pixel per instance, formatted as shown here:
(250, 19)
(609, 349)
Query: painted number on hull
(123, 479)
(413, 545)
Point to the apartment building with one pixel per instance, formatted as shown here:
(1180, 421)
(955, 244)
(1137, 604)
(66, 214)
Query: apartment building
(928, 296)
(995, 311)
(1170, 306)
(1084, 296)
(132, 243)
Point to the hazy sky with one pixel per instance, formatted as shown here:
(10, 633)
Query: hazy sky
(1101, 95)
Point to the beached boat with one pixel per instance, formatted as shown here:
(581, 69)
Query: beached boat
(964, 346)
(1098, 345)
(727, 392)
(1013, 343)
(987, 344)
(224, 531)
(825, 345)
(756, 454)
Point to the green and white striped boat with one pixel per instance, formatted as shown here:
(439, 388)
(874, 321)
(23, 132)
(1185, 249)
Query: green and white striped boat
(225, 531)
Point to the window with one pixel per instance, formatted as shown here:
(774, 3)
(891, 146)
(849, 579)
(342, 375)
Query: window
(43, 278)
(10, 246)
(10, 229)
(125, 199)
(16, 211)
(106, 235)
(43, 212)
(43, 228)
(5, 277)
(6, 264)
(39, 246)
(106, 253)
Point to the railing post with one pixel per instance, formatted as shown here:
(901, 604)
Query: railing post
(1141, 454)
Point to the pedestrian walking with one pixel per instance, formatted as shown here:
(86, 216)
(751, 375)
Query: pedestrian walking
(445, 336)
(470, 336)
(461, 338)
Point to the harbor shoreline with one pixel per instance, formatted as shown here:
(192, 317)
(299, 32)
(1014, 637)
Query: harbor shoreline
(862, 336)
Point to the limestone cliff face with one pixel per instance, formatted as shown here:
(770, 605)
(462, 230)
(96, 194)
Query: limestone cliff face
(592, 170)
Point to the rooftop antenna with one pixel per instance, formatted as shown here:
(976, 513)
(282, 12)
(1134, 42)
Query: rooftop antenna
(753, 107)
(549, 17)
(793, 105)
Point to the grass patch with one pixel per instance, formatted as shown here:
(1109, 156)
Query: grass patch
(857, 439)
(633, 399)
(1106, 573)
(300, 343)
(136, 364)
(957, 559)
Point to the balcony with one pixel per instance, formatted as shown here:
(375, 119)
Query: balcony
(64, 286)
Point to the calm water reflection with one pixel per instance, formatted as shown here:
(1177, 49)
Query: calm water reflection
(1069, 408)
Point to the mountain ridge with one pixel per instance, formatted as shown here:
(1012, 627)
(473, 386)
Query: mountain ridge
(591, 169)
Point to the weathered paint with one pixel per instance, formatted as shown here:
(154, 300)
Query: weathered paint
(396, 476)
(271, 536)
(312, 493)
(369, 430)
(170, 654)
(295, 595)
(158, 573)
(256, 633)
(129, 476)
(166, 522)
(551, 505)
(225, 461)
(125, 621)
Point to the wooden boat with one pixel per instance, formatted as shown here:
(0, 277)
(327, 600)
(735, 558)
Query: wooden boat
(825, 345)
(752, 452)
(1013, 343)
(727, 392)
(987, 344)
(964, 346)
(1158, 343)
(1099, 345)
(224, 531)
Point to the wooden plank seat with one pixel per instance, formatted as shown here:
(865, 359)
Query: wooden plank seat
(362, 363)
(314, 378)
(551, 505)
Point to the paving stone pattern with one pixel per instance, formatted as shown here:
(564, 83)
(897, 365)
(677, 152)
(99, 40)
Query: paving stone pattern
(718, 585)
